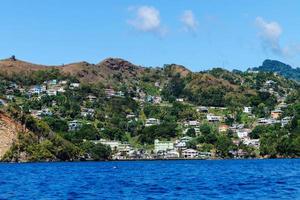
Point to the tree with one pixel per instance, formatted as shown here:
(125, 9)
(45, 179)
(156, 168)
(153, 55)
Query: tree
(223, 146)
(100, 152)
(191, 132)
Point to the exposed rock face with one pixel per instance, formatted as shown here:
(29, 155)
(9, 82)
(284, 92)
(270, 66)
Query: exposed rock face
(8, 133)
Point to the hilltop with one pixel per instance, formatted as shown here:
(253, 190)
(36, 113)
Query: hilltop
(280, 68)
(108, 70)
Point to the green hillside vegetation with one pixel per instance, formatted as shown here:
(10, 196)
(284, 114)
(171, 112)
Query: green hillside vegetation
(171, 94)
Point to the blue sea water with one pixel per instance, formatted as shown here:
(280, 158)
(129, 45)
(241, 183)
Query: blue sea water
(183, 179)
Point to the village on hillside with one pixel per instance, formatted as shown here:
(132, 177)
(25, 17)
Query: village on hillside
(199, 132)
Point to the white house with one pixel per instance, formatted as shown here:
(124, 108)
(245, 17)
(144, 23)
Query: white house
(152, 121)
(243, 133)
(191, 123)
(52, 92)
(74, 85)
(38, 89)
(248, 110)
(162, 145)
(202, 109)
(213, 118)
(251, 142)
(189, 153)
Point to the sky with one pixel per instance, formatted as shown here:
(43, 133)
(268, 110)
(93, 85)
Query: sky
(199, 34)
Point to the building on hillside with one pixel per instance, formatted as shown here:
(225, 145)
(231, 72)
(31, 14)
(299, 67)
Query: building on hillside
(74, 86)
(91, 98)
(172, 154)
(223, 128)
(204, 155)
(247, 110)
(264, 121)
(87, 112)
(213, 118)
(182, 142)
(51, 92)
(110, 92)
(243, 133)
(162, 145)
(282, 105)
(157, 99)
(189, 153)
(37, 89)
(120, 94)
(74, 125)
(152, 122)
(180, 100)
(192, 123)
(202, 109)
(285, 121)
(251, 142)
(275, 114)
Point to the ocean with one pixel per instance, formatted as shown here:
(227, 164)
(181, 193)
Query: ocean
(178, 179)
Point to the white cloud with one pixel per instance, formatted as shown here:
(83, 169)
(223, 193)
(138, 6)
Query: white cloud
(147, 19)
(270, 34)
(189, 21)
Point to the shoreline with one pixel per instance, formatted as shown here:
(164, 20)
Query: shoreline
(148, 160)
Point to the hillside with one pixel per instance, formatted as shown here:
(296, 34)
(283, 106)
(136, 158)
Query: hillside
(280, 68)
(9, 130)
(117, 110)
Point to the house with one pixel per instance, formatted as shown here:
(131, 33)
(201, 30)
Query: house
(157, 99)
(264, 121)
(282, 105)
(37, 89)
(152, 121)
(162, 145)
(52, 82)
(247, 110)
(63, 82)
(91, 98)
(74, 86)
(60, 90)
(243, 133)
(74, 125)
(202, 109)
(223, 128)
(270, 83)
(204, 155)
(181, 143)
(189, 153)
(213, 118)
(275, 114)
(180, 100)
(87, 112)
(169, 154)
(110, 92)
(191, 123)
(51, 92)
(285, 121)
(251, 142)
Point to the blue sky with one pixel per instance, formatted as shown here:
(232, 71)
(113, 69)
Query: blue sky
(200, 34)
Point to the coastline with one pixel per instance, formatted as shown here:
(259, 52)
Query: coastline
(150, 160)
